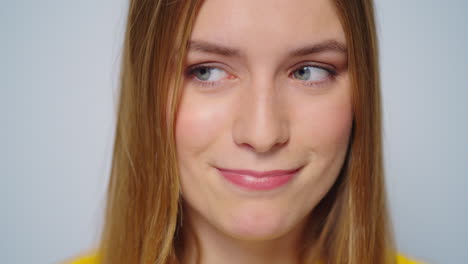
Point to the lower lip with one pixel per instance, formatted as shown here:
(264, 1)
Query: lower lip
(258, 183)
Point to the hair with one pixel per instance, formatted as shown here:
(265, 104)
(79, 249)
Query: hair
(351, 224)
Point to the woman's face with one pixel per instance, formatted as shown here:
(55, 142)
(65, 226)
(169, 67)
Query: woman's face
(272, 92)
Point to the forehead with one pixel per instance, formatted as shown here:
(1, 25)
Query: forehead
(260, 25)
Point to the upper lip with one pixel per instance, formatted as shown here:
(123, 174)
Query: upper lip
(260, 173)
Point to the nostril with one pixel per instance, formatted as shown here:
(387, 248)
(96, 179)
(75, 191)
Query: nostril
(260, 149)
(248, 146)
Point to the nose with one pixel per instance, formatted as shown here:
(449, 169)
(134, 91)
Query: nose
(261, 122)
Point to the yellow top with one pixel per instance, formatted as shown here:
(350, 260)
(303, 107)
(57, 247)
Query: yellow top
(92, 259)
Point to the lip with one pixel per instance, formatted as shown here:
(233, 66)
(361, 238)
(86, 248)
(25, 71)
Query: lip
(258, 180)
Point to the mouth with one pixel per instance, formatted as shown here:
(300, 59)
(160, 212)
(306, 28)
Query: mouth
(260, 174)
(258, 180)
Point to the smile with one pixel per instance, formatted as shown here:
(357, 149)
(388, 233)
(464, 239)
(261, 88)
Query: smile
(258, 180)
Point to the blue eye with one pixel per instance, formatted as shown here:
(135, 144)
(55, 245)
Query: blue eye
(311, 74)
(208, 74)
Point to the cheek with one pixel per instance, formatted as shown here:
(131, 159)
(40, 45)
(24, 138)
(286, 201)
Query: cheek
(196, 129)
(326, 123)
(198, 125)
(201, 122)
(323, 134)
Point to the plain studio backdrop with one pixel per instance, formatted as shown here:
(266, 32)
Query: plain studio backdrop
(59, 66)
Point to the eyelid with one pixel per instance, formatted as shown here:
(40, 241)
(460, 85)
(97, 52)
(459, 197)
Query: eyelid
(329, 68)
(209, 64)
(190, 70)
(189, 73)
(332, 74)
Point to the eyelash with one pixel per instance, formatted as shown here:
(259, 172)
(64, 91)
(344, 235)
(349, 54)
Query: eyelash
(331, 75)
(190, 71)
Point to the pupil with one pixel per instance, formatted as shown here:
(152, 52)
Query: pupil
(303, 73)
(204, 74)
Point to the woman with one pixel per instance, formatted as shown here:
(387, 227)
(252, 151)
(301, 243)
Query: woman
(248, 132)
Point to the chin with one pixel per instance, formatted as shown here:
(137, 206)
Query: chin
(256, 225)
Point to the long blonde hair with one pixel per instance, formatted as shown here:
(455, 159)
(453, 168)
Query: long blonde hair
(143, 213)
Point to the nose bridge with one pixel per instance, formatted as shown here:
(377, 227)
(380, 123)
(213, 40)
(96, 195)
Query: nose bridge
(261, 122)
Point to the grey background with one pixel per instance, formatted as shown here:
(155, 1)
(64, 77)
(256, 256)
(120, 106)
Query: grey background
(59, 73)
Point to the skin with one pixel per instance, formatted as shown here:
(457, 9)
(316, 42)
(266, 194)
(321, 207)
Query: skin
(257, 114)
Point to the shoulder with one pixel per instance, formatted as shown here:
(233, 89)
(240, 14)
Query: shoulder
(86, 259)
(403, 259)
(93, 259)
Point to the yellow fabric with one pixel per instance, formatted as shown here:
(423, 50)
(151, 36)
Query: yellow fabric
(92, 259)
(401, 259)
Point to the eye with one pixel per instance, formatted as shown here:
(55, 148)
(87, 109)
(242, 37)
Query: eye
(311, 74)
(208, 74)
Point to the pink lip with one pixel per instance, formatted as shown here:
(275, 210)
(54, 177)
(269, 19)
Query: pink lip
(258, 180)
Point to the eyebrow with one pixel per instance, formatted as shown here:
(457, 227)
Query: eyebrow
(207, 47)
(329, 45)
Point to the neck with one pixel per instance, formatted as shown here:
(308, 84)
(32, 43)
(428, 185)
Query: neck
(205, 244)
